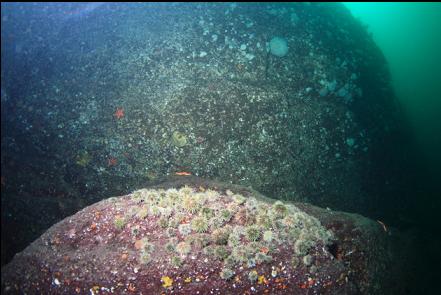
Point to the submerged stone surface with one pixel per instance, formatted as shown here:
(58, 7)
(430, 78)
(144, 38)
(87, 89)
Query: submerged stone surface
(190, 235)
(106, 104)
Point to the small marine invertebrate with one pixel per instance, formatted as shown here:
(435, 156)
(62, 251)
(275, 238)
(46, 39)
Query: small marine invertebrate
(172, 194)
(176, 220)
(216, 222)
(163, 222)
(239, 199)
(221, 252)
(293, 234)
(183, 173)
(138, 244)
(211, 194)
(190, 204)
(233, 239)
(278, 224)
(252, 275)
(145, 257)
(229, 261)
(183, 248)
(313, 269)
(207, 212)
(229, 193)
(199, 241)
(119, 222)
(209, 250)
(302, 246)
(112, 161)
(261, 258)
(185, 190)
(184, 229)
(278, 46)
(170, 232)
(225, 215)
(295, 261)
(173, 223)
(289, 221)
(167, 281)
(244, 217)
(233, 207)
(279, 210)
(179, 139)
(251, 204)
(268, 236)
(253, 233)
(199, 224)
(146, 245)
(134, 230)
(166, 202)
(220, 236)
(170, 247)
(262, 280)
(119, 113)
(83, 159)
(241, 254)
(154, 211)
(251, 262)
(308, 260)
(146, 250)
(263, 220)
(226, 273)
(176, 261)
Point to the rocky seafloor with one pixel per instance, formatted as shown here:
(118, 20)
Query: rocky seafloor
(192, 236)
(107, 102)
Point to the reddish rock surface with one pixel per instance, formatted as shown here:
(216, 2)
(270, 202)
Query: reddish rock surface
(97, 251)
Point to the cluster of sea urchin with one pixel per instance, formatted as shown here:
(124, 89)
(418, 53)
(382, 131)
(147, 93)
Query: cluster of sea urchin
(241, 232)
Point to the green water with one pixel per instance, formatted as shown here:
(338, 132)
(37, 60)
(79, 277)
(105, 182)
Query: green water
(409, 34)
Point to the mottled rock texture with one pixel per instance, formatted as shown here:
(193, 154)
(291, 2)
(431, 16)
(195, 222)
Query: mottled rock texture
(110, 100)
(190, 235)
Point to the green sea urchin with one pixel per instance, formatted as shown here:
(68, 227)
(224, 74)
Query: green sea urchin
(199, 224)
(226, 273)
(253, 233)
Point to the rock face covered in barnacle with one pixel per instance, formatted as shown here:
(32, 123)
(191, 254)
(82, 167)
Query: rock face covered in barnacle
(194, 238)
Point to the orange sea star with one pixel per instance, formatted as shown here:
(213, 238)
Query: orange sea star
(119, 113)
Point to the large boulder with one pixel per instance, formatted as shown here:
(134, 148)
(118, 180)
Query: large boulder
(292, 99)
(190, 235)
(197, 89)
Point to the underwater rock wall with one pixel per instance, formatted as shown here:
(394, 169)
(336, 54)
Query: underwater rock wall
(192, 235)
(119, 99)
